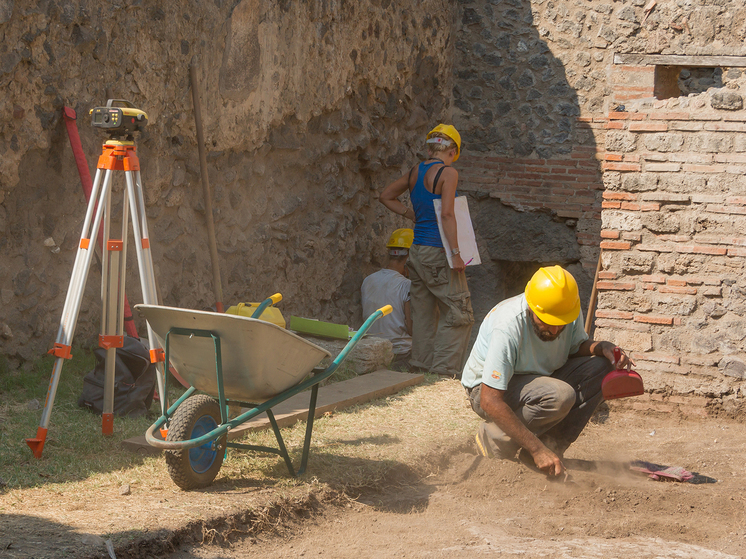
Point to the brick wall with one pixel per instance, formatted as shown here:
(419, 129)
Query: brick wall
(673, 233)
(568, 187)
(559, 116)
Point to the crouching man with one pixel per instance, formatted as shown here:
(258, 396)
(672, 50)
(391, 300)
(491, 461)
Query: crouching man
(533, 375)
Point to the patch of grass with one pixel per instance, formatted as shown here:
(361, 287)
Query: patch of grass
(361, 447)
(365, 445)
(74, 449)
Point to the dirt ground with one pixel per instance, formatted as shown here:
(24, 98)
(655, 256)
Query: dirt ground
(458, 505)
(482, 507)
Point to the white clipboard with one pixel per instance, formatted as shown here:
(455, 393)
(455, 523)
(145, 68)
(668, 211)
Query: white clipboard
(467, 242)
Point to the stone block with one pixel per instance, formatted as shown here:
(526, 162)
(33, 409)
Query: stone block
(640, 182)
(370, 354)
(663, 142)
(621, 221)
(739, 143)
(622, 142)
(726, 99)
(660, 223)
(637, 263)
(633, 341)
(670, 304)
(708, 142)
(733, 367)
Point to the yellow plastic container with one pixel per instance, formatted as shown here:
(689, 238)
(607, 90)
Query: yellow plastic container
(270, 314)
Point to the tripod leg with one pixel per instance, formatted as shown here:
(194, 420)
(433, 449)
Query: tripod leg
(71, 308)
(112, 324)
(147, 273)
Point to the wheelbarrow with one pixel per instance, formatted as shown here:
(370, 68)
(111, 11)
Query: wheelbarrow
(232, 360)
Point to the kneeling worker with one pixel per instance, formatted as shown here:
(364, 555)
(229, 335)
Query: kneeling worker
(389, 286)
(534, 375)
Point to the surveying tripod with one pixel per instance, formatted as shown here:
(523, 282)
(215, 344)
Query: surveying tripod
(116, 156)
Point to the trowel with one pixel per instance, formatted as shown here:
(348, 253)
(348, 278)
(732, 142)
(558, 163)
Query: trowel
(621, 383)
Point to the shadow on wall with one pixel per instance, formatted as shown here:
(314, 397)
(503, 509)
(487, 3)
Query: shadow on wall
(529, 163)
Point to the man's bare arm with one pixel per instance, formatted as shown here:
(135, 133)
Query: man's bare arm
(603, 349)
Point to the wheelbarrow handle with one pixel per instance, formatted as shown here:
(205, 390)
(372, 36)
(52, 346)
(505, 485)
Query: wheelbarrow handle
(272, 300)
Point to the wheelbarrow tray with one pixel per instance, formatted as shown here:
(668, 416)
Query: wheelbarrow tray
(259, 359)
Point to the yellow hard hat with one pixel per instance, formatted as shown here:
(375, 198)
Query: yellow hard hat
(552, 293)
(401, 238)
(451, 132)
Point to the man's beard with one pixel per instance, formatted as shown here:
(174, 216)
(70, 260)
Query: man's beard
(543, 335)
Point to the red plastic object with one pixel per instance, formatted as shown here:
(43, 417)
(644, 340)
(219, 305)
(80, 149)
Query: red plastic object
(621, 383)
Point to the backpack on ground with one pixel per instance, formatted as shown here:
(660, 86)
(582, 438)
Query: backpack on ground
(134, 381)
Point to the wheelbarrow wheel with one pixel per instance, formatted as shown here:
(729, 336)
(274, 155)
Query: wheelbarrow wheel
(195, 467)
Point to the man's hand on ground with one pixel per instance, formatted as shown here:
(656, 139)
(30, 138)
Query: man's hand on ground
(548, 461)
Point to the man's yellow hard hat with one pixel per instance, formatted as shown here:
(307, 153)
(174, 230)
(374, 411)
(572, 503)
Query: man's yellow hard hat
(401, 238)
(451, 132)
(552, 293)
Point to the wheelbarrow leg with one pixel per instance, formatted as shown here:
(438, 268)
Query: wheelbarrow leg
(309, 428)
(280, 442)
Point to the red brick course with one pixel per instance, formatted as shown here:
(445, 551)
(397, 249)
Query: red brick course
(615, 285)
(648, 127)
(653, 319)
(615, 245)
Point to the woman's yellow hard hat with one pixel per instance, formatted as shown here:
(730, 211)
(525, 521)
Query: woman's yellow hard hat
(451, 132)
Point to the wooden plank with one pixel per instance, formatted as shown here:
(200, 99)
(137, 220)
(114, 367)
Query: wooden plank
(332, 397)
(707, 61)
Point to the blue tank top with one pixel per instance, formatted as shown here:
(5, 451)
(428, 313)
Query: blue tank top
(426, 230)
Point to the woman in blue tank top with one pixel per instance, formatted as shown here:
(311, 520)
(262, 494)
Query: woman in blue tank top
(440, 299)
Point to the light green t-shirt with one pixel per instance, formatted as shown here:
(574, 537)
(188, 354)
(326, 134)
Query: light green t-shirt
(507, 345)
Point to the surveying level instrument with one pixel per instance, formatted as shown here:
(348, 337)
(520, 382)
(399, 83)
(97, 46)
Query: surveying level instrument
(116, 156)
(118, 117)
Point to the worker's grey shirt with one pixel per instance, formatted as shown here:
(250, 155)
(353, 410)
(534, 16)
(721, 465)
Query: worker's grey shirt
(507, 345)
(388, 287)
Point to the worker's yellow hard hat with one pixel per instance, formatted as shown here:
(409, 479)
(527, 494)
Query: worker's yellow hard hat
(401, 238)
(552, 293)
(451, 132)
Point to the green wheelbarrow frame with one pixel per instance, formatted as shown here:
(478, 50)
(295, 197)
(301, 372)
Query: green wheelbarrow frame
(211, 441)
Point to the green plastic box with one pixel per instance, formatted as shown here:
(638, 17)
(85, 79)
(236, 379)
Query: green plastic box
(319, 328)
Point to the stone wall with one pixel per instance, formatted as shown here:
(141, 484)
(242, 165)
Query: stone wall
(673, 285)
(546, 94)
(534, 81)
(309, 110)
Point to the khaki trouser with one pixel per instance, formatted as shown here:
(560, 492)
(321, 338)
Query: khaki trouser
(554, 408)
(442, 316)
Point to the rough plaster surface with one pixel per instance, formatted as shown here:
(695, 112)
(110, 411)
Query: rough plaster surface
(309, 110)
